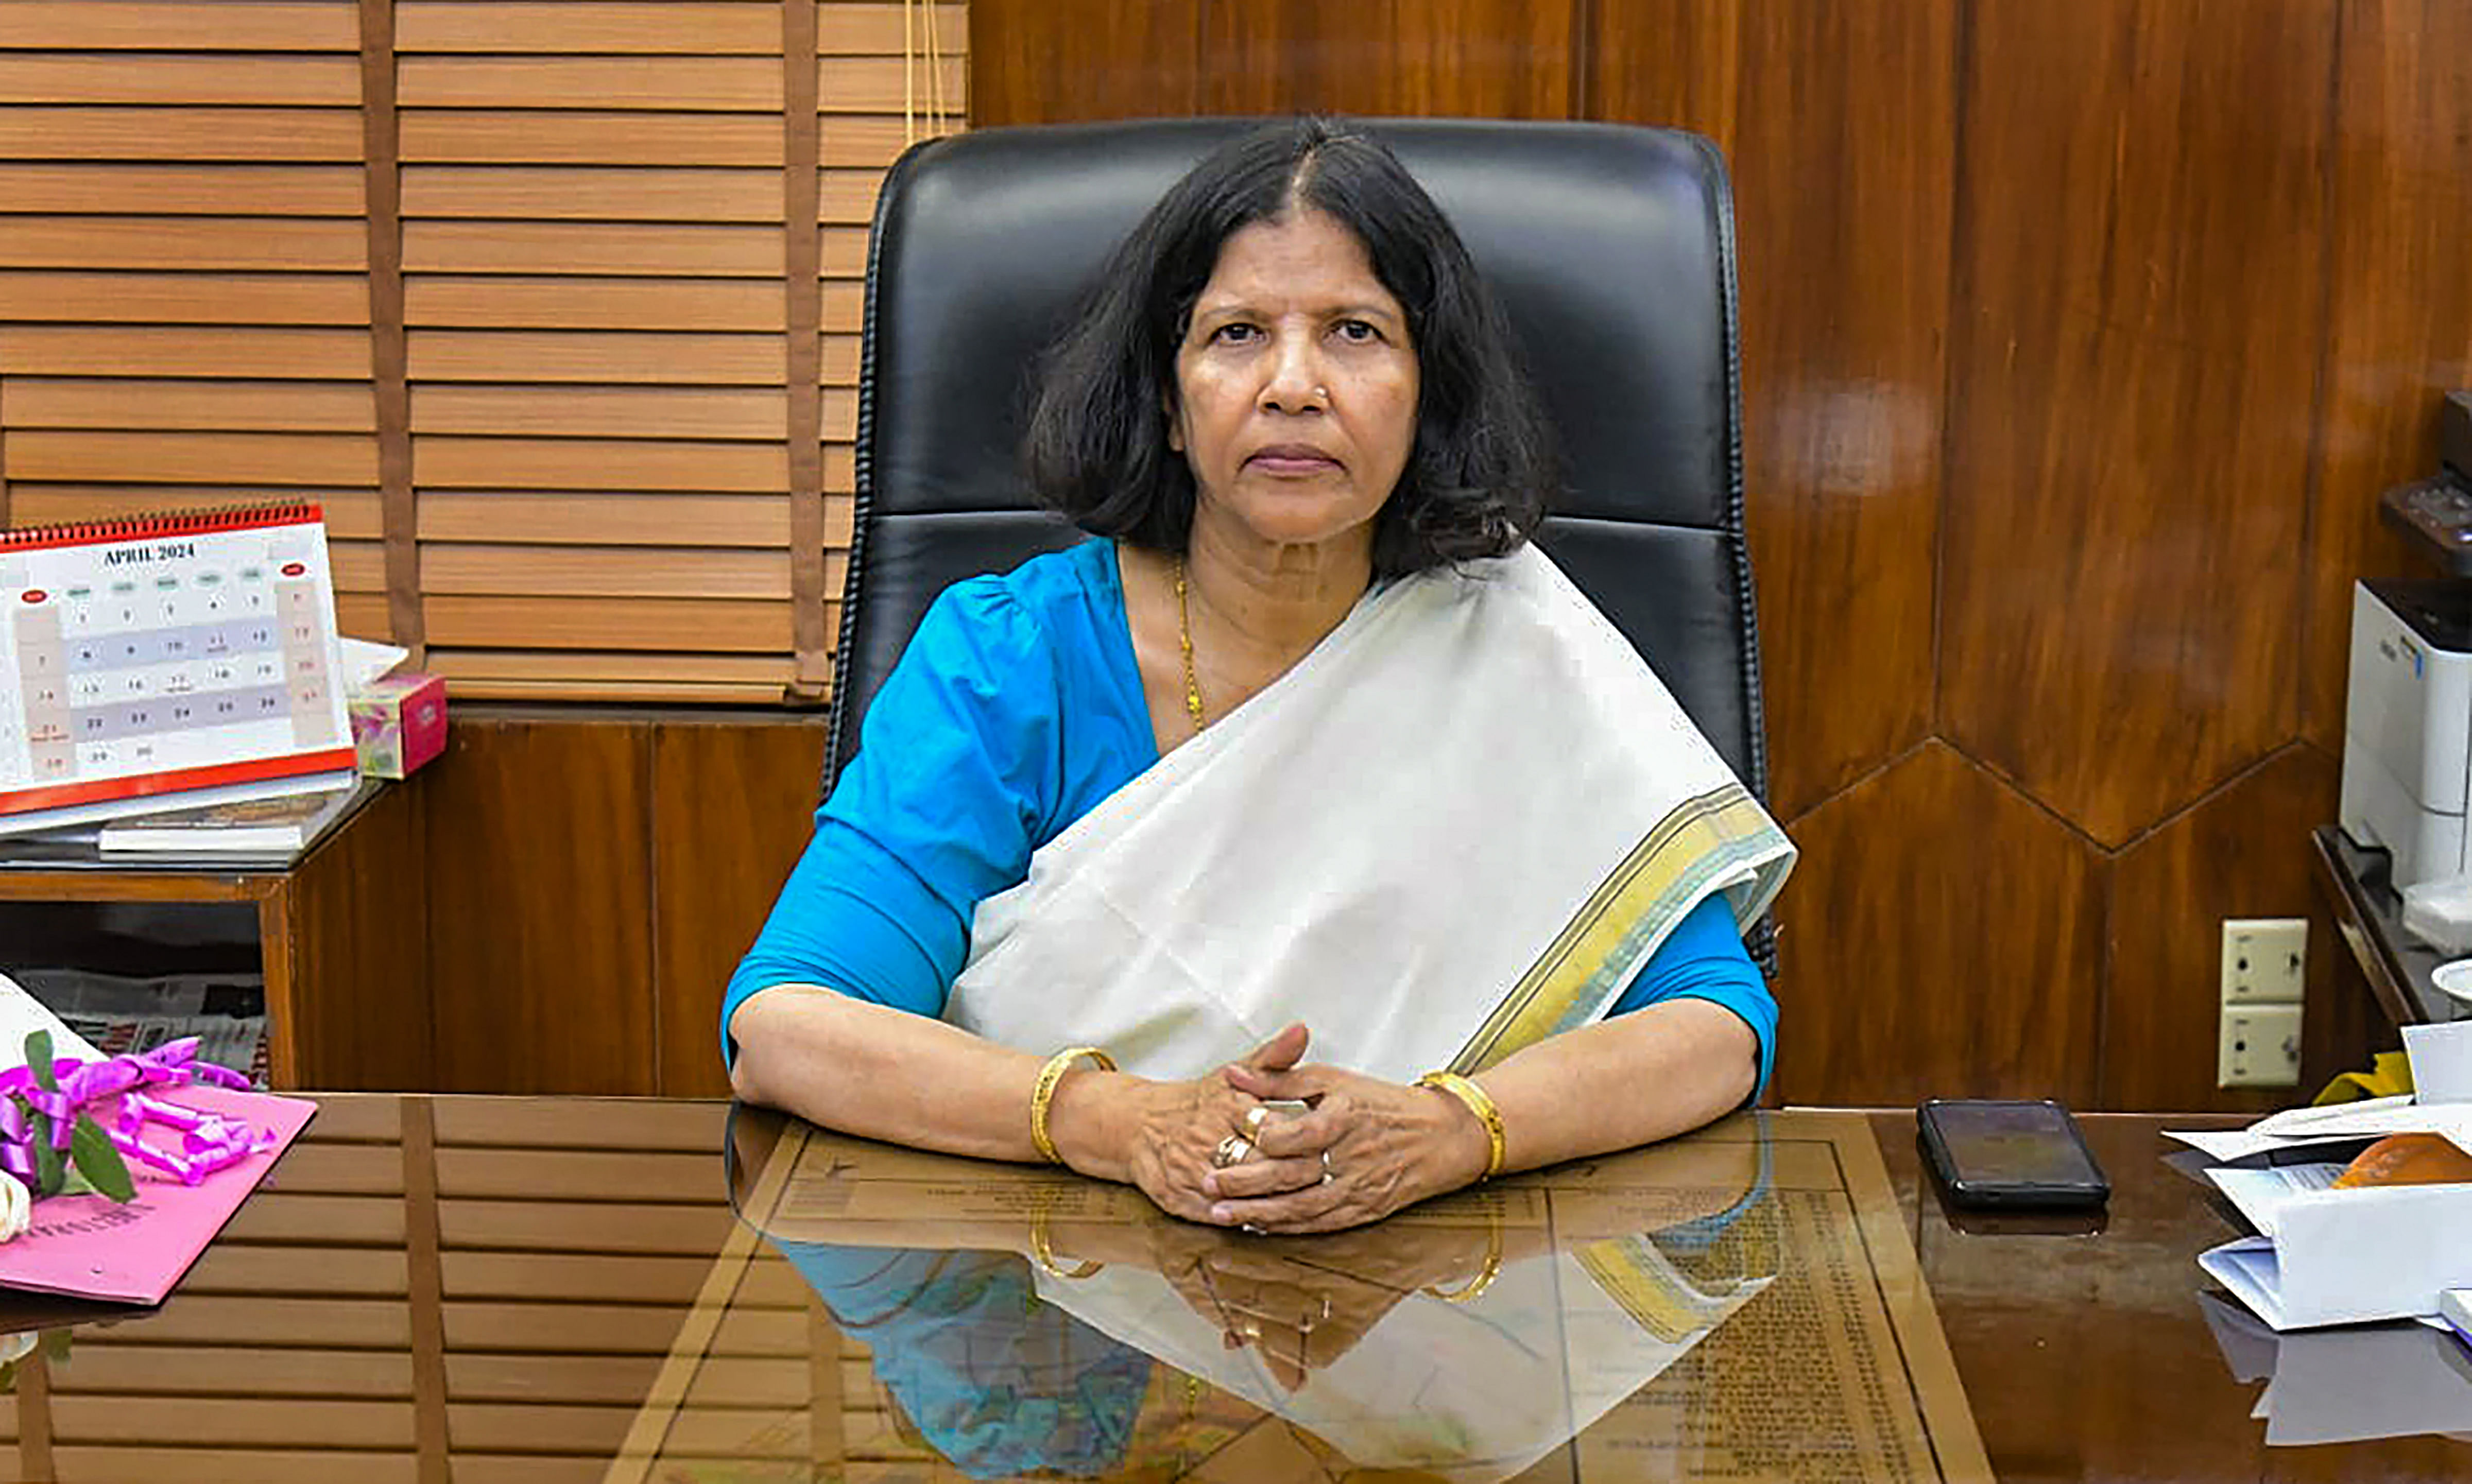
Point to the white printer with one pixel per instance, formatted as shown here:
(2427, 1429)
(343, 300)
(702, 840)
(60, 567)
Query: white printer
(2407, 712)
(2408, 725)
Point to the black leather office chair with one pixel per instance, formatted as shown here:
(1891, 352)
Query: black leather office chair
(1611, 248)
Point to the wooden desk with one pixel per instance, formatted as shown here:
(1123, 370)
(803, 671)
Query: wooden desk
(517, 1290)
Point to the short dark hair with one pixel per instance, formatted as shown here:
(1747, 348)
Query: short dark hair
(1482, 467)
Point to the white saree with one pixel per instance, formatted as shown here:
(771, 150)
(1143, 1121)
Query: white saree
(1457, 826)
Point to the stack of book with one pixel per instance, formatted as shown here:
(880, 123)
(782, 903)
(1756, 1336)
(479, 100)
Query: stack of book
(285, 827)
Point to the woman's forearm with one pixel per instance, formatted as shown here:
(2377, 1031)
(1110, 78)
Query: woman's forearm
(879, 1072)
(1658, 1071)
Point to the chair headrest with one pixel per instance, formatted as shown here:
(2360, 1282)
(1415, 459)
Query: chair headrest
(1609, 246)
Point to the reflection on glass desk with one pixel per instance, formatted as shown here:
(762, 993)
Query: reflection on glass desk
(1738, 1305)
(2370, 915)
(508, 1292)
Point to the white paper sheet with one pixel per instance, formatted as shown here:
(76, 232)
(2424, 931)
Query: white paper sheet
(21, 1015)
(2346, 1123)
(2441, 1062)
(365, 660)
(2261, 1194)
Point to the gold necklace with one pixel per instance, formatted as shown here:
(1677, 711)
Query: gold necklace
(1184, 639)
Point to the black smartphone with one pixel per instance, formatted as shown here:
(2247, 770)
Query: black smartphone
(2010, 1155)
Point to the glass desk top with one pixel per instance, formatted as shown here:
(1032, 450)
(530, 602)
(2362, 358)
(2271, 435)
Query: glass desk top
(519, 1291)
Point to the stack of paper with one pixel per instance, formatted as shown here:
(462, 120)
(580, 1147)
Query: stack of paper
(2324, 1256)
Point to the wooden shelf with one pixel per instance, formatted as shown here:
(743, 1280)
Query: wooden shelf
(341, 936)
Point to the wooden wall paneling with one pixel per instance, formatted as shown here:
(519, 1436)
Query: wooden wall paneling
(540, 902)
(1943, 936)
(2244, 852)
(360, 933)
(1844, 190)
(732, 808)
(1054, 61)
(1676, 62)
(2399, 331)
(2133, 377)
(1485, 58)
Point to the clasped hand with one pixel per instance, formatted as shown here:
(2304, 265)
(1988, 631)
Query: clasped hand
(1216, 1150)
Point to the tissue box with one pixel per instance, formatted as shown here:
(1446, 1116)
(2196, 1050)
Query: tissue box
(398, 722)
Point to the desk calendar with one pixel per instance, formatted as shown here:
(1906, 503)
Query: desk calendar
(191, 654)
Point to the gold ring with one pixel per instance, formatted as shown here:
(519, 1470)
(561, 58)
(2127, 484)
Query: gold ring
(1254, 1117)
(1231, 1150)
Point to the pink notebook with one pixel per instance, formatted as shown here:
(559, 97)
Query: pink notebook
(95, 1247)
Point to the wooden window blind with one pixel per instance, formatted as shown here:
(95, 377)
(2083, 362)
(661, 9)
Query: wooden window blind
(554, 304)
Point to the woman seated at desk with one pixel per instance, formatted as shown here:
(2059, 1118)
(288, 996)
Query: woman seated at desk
(1308, 748)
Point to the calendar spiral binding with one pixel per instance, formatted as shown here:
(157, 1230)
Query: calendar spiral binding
(161, 524)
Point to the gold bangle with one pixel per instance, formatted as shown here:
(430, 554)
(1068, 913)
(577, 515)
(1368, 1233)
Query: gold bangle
(1048, 1075)
(1043, 1252)
(1480, 1103)
(1484, 1275)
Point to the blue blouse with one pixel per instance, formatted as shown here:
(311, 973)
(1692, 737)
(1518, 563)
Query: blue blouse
(1015, 710)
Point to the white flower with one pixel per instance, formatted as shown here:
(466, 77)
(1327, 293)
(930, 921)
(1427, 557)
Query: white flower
(16, 1207)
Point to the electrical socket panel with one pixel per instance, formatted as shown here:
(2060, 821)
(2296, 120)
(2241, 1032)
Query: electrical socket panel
(2265, 960)
(2260, 1046)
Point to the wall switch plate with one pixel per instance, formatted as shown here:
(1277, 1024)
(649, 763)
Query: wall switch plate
(2260, 1046)
(2265, 960)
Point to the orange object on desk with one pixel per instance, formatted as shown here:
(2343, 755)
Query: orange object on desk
(2407, 1159)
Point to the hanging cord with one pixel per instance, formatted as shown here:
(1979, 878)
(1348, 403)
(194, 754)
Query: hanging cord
(942, 116)
(940, 120)
(909, 71)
